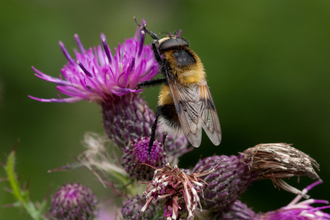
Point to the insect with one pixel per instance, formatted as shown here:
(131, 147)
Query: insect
(185, 102)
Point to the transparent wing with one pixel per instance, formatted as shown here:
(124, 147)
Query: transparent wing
(187, 105)
(209, 116)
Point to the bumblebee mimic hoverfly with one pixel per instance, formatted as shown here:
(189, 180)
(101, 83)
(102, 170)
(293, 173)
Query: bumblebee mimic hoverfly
(185, 102)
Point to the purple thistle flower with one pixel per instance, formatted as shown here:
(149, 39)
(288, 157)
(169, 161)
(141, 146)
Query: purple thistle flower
(135, 158)
(97, 75)
(299, 210)
(73, 201)
(264, 161)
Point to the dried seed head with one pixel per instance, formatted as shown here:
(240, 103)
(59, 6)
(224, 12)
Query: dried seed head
(277, 161)
(178, 189)
(100, 157)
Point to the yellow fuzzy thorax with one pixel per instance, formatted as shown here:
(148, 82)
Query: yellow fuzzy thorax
(189, 74)
(165, 97)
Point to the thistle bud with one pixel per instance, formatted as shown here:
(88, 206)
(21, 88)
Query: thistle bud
(73, 201)
(236, 211)
(126, 118)
(131, 209)
(264, 161)
(136, 158)
(226, 183)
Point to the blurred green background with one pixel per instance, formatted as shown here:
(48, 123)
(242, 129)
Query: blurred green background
(267, 64)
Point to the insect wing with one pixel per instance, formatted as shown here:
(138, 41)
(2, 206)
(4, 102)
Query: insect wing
(187, 105)
(210, 119)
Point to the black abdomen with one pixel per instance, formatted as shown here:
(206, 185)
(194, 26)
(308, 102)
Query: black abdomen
(169, 116)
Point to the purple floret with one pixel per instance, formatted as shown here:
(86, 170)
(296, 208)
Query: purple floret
(299, 210)
(97, 75)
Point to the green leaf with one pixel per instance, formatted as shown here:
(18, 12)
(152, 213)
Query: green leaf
(22, 196)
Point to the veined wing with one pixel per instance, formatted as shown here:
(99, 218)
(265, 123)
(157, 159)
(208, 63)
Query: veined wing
(209, 116)
(187, 105)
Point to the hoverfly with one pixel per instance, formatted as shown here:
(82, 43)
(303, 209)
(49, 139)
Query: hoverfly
(185, 102)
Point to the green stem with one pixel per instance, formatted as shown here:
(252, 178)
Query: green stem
(124, 182)
(21, 196)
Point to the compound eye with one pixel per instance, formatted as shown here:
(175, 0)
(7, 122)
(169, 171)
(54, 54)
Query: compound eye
(173, 42)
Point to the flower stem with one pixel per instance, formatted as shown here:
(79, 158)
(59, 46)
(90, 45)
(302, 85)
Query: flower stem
(21, 195)
(124, 182)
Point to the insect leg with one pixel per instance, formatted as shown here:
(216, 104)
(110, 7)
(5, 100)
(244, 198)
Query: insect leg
(144, 27)
(153, 132)
(157, 56)
(152, 82)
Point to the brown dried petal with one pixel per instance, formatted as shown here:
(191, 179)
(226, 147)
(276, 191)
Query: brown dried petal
(280, 160)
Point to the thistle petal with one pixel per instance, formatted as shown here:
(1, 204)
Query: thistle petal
(87, 77)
